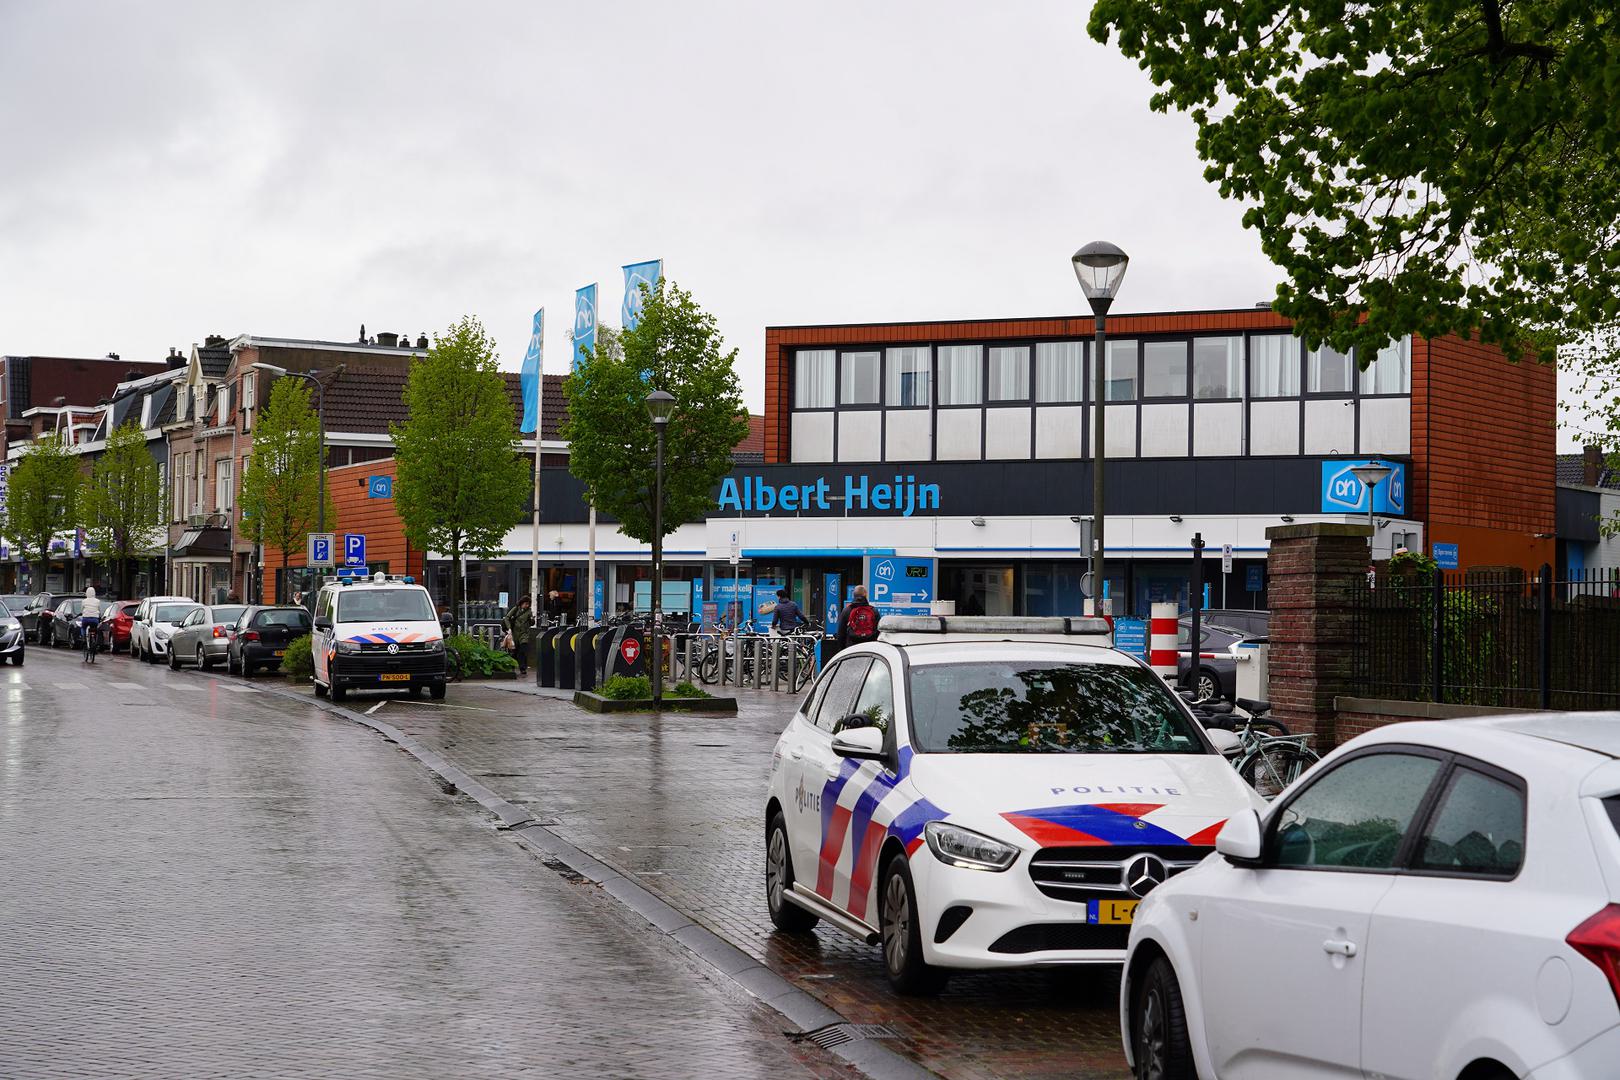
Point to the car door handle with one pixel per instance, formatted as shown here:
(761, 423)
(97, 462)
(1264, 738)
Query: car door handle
(796, 754)
(1334, 947)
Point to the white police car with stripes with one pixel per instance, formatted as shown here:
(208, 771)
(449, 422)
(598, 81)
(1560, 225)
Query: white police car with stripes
(983, 792)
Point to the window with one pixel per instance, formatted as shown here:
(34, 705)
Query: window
(163, 480)
(295, 618)
(180, 394)
(1009, 373)
(199, 482)
(222, 405)
(1273, 366)
(1328, 372)
(222, 485)
(1121, 372)
(961, 375)
(1164, 369)
(1391, 371)
(1478, 829)
(859, 374)
(1354, 815)
(842, 685)
(876, 702)
(910, 376)
(385, 605)
(249, 391)
(1059, 372)
(182, 477)
(1217, 368)
(813, 373)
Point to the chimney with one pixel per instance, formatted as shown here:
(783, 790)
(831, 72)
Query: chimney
(1591, 465)
(389, 340)
(112, 356)
(212, 340)
(130, 375)
(422, 342)
(362, 333)
(175, 360)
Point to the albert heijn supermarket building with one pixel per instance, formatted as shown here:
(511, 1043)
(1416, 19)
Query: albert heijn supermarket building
(952, 461)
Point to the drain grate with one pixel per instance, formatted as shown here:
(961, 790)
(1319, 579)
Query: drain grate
(843, 1033)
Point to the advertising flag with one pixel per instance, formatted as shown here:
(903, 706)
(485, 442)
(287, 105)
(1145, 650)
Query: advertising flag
(636, 275)
(584, 323)
(529, 377)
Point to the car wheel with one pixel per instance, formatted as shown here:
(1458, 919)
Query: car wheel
(247, 668)
(902, 936)
(1159, 1038)
(320, 690)
(17, 658)
(174, 659)
(339, 693)
(1207, 687)
(203, 663)
(436, 691)
(779, 881)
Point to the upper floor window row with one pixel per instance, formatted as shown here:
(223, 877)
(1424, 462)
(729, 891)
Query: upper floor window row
(1209, 368)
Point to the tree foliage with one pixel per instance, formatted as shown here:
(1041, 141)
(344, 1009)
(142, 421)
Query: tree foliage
(461, 482)
(123, 503)
(676, 348)
(1594, 364)
(281, 491)
(1450, 166)
(43, 497)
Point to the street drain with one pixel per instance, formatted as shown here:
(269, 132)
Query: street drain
(843, 1033)
(568, 872)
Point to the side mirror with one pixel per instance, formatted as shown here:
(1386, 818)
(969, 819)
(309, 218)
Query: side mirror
(863, 743)
(1239, 839)
(1225, 741)
(323, 623)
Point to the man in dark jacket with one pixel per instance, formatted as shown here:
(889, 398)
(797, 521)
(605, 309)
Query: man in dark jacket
(859, 621)
(787, 618)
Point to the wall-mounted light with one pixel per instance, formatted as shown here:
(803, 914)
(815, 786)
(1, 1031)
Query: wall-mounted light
(1383, 523)
(1544, 536)
(1176, 518)
(979, 521)
(1075, 518)
(1289, 518)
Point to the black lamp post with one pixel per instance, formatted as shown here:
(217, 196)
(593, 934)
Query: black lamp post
(660, 403)
(1100, 266)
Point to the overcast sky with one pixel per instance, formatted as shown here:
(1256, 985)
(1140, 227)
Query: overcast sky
(178, 169)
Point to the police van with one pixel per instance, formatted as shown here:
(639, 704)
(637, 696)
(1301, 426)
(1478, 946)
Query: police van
(377, 633)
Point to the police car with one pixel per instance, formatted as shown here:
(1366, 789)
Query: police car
(984, 792)
(377, 633)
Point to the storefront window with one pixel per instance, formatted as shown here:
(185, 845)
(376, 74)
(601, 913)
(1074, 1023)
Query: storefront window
(1121, 371)
(1009, 374)
(978, 589)
(813, 371)
(858, 378)
(1217, 368)
(1164, 369)
(909, 377)
(1059, 374)
(1273, 366)
(961, 375)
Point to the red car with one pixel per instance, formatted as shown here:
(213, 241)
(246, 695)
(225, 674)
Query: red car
(116, 619)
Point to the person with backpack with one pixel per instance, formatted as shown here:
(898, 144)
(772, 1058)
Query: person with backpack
(787, 618)
(859, 621)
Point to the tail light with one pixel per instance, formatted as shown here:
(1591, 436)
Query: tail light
(219, 631)
(1598, 939)
(251, 635)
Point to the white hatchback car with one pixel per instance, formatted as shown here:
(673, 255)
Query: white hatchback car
(155, 622)
(1434, 899)
(988, 792)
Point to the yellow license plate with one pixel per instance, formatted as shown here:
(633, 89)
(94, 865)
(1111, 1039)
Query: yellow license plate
(400, 677)
(281, 652)
(1110, 912)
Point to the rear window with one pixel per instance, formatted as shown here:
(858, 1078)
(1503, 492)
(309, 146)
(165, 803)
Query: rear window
(384, 605)
(297, 618)
(71, 607)
(172, 612)
(228, 614)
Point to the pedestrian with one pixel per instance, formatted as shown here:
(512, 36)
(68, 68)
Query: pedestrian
(787, 617)
(519, 624)
(859, 622)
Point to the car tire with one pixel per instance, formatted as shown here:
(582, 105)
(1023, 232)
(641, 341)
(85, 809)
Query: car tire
(785, 916)
(1160, 1044)
(339, 693)
(203, 663)
(174, 659)
(320, 690)
(1207, 687)
(436, 691)
(17, 658)
(247, 668)
(901, 935)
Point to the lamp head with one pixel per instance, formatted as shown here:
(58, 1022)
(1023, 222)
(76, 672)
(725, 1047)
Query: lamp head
(1372, 474)
(271, 368)
(1100, 267)
(660, 403)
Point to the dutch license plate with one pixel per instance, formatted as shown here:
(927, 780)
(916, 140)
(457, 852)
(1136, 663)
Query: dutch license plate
(281, 652)
(396, 677)
(1110, 912)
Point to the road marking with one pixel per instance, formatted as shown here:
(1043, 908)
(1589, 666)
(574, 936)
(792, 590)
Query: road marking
(127, 685)
(71, 686)
(440, 704)
(14, 686)
(242, 689)
(375, 707)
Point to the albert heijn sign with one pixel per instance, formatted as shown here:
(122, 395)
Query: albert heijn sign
(1344, 493)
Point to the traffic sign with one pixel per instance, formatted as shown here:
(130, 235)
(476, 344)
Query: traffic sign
(354, 549)
(1226, 558)
(736, 547)
(320, 548)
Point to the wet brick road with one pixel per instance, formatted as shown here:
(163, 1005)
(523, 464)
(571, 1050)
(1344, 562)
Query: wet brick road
(679, 802)
(201, 879)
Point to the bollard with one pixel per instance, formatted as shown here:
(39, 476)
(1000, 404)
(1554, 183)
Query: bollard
(1162, 630)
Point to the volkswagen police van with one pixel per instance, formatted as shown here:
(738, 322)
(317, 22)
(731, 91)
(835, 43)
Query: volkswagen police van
(377, 633)
(985, 792)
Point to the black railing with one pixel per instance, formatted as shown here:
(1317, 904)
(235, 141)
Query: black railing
(1494, 638)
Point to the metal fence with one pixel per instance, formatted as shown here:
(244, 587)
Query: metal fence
(1492, 638)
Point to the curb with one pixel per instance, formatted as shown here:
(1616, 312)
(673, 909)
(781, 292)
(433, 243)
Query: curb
(798, 1007)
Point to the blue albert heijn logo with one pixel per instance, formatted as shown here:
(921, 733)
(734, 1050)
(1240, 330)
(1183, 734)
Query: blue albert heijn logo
(1343, 492)
(354, 549)
(380, 487)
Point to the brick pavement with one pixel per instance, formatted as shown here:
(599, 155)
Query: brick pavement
(205, 880)
(678, 802)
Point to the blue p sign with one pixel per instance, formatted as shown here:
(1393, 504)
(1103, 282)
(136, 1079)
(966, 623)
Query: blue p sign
(354, 549)
(323, 549)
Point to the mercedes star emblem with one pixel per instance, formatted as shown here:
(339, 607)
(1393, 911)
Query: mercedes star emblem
(392, 647)
(1143, 873)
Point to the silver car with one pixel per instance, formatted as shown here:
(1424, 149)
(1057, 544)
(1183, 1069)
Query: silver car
(204, 636)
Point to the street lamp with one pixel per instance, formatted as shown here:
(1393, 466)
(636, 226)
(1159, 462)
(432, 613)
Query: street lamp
(660, 403)
(1371, 474)
(1100, 267)
(320, 421)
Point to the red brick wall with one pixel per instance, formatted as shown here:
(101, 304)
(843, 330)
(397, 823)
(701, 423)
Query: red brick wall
(357, 513)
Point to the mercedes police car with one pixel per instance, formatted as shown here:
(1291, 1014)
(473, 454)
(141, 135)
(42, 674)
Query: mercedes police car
(984, 792)
(377, 633)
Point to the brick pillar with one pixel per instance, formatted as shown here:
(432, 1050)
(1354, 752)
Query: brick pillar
(1312, 573)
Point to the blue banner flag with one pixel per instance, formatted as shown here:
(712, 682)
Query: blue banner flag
(635, 276)
(530, 375)
(584, 323)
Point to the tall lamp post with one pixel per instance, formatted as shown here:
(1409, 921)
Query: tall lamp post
(313, 378)
(1371, 475)
(660, 403)
(1100, 266)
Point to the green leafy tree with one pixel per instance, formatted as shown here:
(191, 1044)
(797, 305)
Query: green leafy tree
(676, 348)
(1428, 168)
(42, 498)
(281, 491)
(461, 481)
(123, 503)
(1594, 413)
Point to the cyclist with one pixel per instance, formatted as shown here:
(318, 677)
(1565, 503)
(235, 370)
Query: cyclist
(90, 621)
(787, 618)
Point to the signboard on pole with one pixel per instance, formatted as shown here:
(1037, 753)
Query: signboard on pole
(1226, 558)
(320, 549)
(900, 585)
(354, 549)
(736, 546)
(1131, 636)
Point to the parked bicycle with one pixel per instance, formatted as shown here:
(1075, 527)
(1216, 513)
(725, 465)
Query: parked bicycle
(1268, 756)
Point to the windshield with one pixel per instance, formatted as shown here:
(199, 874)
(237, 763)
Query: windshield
(70, 607)
(224, 614)
(295, 617)
(384, 605)
(1045, 707)
(172, 613)
(14, 603)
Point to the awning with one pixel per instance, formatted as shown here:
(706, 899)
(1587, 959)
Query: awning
(203, 542)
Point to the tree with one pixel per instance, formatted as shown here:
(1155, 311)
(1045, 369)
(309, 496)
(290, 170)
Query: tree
(1594, 362)
(42, 500)
(676, 348)
(281, 491)
(461, 483)
(123, 503)
(1448, 167)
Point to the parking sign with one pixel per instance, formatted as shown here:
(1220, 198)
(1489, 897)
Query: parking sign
(319, 550)
(354, 549)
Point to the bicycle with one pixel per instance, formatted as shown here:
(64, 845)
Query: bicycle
(91, 629)
(1267, 756)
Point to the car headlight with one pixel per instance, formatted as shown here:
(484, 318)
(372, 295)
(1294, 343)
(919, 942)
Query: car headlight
(436, 646)
(348, 646)
(161, 634)
(964, 848)
(13, 624)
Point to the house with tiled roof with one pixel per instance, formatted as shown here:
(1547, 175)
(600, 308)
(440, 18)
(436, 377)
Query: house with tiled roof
(1588, 505)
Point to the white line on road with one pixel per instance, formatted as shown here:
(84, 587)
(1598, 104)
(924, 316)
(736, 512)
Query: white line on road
(127, 685)
(71, 686)
(242, 689)
(13, 686)
(442, 705)
(375, 707)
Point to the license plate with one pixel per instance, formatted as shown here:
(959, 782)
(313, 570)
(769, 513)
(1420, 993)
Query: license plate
(281, 652)
(1110, 912)
(398, 677)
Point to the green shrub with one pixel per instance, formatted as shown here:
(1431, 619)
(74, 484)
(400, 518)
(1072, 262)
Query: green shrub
(687, 690)
(477, 659)
(299, 663)
(626, 688)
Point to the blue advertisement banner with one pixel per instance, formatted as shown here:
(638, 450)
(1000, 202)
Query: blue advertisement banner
(635, 276)
(584, 323)
(900, 585)
(727, 591)
(697, 600)
(832, 587)
(764, 601)
(1344, 493)
(1448, 556)
(598, 588)
(529, 376)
